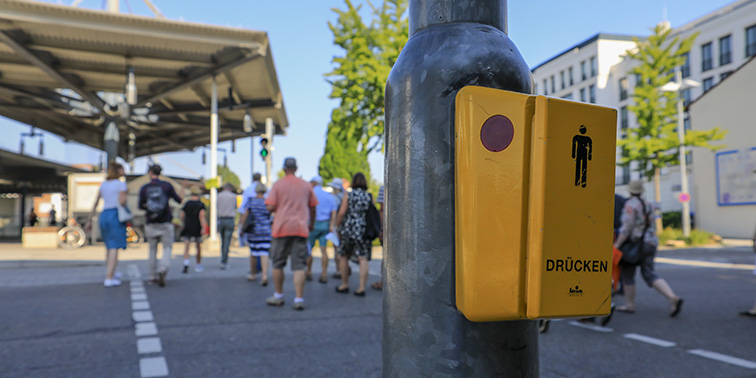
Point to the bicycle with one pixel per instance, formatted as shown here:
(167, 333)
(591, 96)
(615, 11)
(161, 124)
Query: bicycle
(71, 236)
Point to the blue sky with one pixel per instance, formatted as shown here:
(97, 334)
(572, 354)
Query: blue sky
(303, 49)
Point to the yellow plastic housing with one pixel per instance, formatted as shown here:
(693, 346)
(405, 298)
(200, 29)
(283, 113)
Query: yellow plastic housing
(523, 209)
(490, 206)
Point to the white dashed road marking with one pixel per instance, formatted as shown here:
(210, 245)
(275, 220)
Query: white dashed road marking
(145, 326)
(650, 340)
(724, 358)
(591, 327)
(153, 367)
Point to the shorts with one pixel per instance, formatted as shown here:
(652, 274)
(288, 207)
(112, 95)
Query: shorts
(294, 246)
(319, 231)
(259, 248)
(192, 239)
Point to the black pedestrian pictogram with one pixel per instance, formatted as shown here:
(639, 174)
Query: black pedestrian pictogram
(582, 152)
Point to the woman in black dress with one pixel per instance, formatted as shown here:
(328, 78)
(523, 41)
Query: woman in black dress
(193, 218)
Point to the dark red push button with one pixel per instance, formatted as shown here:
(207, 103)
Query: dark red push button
(497, 133)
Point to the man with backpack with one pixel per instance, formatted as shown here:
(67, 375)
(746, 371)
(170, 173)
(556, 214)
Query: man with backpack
(153, 198)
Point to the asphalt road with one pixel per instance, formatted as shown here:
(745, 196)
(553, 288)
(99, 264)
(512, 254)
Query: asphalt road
(217, 324)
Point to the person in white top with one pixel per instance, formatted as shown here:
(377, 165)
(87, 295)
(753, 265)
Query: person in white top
(113, 193)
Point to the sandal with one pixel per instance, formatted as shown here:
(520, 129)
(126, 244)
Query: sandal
(749, 314)
(360, 293)
(377, 285)
(677, 308)
(625, 309)
(264, 283)
(323, 280)
(342, 291)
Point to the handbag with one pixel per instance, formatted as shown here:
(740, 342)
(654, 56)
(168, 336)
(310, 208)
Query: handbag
(372, 222)
(248, 227)
(124, 214)
(632, 250)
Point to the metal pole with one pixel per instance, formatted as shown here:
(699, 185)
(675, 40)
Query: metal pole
(214, 161)
(269, 131)
(452, 44)
(113, 6)
(683, 162)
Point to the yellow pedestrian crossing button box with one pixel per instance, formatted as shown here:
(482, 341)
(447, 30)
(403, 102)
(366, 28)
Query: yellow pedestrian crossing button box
(534, 188)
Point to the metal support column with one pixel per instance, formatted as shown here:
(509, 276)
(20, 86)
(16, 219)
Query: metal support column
(452, 44)
(683, 161)
(270, 130)
(214, 161)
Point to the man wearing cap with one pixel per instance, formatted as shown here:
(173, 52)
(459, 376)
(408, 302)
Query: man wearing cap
(325, 221)
(226, 216)
(293, 202)
(154, 198)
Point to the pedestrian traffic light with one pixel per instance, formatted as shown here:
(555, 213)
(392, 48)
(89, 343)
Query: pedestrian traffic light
(264, 147)
(534, 192)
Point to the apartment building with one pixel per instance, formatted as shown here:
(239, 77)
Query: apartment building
(597, 70)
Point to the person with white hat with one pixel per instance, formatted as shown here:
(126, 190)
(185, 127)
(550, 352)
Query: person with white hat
(638, 226)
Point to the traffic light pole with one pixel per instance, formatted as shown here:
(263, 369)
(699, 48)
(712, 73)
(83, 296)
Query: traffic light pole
(452, 44)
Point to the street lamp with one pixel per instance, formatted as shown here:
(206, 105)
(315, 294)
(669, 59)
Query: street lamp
(678, 86)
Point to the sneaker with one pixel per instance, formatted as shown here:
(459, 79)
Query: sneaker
(273, 301)
(224, 266)
(186, 269)
(161, 278)
(199, 268)
(299, 306)
(111, 282)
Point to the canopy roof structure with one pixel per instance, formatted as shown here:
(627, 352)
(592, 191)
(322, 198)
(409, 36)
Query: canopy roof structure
(65, 70)
(26, 174)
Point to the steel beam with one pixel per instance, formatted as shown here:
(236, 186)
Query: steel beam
(32, 58)
(198, 79)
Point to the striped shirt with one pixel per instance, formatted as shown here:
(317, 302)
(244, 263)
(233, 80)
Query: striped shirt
(257, 209)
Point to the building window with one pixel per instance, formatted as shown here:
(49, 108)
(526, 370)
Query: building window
(535, 89)
(582, 94)
(553, 86)
(725, 50)
(686, 124)
(686, 65)
(545, 88)
(724, 75)
(686, 96)
(625, 174)
(707, 84)
(623, 88)
(638, 80)
(592, 94)
(561, 78)
(568, 96)
(583, 71)
(707, 60)
(569, 74)
(594, 66)
(624, 123)
(751, 41)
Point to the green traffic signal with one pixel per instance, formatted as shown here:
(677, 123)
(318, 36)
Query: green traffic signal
(264, 153)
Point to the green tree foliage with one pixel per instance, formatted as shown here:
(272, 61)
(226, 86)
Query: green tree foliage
(358, 81)
(655, 144)
(227, 175)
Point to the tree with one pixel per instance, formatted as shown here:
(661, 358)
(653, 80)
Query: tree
(654, 144)
(358, 81)
(228, 176)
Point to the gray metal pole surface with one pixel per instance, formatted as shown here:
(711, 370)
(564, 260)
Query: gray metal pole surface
(112, 141)
(452, 44)
(683, 162)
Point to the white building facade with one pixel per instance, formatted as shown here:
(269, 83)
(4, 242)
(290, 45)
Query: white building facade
(726, 40)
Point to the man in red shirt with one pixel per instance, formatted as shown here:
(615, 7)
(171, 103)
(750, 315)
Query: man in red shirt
(293, 202)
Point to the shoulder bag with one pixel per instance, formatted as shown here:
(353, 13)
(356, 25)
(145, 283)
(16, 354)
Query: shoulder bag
(632, 250)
